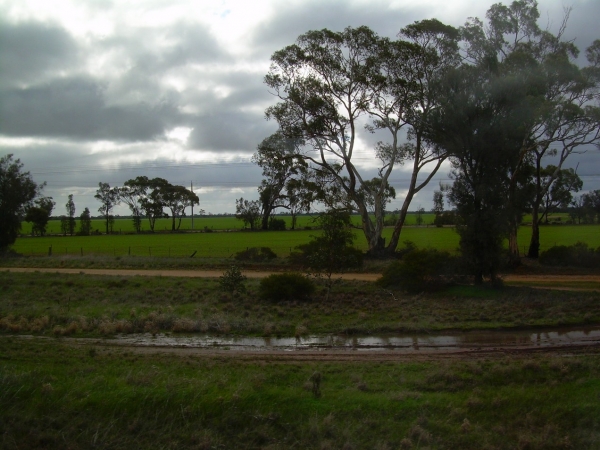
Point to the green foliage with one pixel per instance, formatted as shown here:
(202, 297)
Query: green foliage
(17, 191)
(419, 270)
(276, 224)
(577, 255)
(332, 251)
(256, 254)
(286, 286)
(232, 280)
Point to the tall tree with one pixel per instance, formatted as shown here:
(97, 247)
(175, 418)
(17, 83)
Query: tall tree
(329, 82)
(17, 191)
(70, 220)
(560, 112)
(177, 199)
(109, 198)
(132, 193)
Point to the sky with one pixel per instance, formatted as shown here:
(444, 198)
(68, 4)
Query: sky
(107, 90)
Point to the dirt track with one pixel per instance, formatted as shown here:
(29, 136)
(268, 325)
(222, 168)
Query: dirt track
(533, 279)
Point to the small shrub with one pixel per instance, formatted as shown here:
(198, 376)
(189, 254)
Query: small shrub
(420, 270)
(233, 280)
(276, 224)
(286, 286)
(255, 254)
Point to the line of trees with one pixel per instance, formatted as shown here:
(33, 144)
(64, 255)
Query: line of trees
(496, 99)
(146, 197)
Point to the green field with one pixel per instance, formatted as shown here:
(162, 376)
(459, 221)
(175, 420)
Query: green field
(125, 225)
(224, 244)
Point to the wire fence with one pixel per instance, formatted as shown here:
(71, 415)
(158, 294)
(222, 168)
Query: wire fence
(158, 251)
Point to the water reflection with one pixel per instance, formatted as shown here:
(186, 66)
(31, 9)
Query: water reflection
(401, 343)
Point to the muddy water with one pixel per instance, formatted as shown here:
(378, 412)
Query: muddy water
(425, 343)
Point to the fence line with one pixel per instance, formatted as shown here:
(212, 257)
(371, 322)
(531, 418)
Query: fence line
(169, 251)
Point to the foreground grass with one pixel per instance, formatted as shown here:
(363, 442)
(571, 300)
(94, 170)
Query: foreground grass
(59, 304)
(56, 396)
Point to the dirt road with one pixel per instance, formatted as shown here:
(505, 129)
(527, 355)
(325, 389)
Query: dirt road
(528, 279)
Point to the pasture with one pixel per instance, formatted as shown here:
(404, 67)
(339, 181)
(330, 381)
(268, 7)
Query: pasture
(223, 244)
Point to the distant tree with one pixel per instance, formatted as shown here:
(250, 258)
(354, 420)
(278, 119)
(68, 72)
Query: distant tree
(177, 199)
(248, 212)
(591, 204)
(560, 194)
(419, 218)
(17, 191)
(132, 194)
(152, 201)
(39, 214)
(64, 225)
(85, 223)
(109, 198)
(70, 216)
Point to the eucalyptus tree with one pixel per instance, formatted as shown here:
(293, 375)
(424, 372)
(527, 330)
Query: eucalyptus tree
(277, 156)
(70, 220)
(109, 198)
(560, 110)
(331, 84)
(560, 193)
(132, 193)
(177, 199)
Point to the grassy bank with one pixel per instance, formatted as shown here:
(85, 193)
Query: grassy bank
(77, 305)
(56, 396)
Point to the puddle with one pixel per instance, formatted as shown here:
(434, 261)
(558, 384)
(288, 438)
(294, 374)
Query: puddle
(442, 342)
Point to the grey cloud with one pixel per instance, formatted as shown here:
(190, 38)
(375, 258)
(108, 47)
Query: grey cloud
(76, 108)
(28, 50)
(292, 21)
(231, 131)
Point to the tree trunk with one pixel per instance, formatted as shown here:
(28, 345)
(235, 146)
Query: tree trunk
(534, 244)
(514, 259)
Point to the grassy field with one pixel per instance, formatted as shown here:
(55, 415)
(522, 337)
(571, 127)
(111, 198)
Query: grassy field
(55, 396)
(125, 225)
(225, 244)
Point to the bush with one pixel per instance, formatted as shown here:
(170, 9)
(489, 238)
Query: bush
(286, 286)
(255, 254)
(420, 270)
(276, 224)
(577, 255)
(233, 280)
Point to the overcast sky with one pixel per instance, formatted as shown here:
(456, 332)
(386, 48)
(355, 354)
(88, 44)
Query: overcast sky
(106, 90)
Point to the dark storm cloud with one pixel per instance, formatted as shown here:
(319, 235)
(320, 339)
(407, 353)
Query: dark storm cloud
(29, 50)
(76, 108)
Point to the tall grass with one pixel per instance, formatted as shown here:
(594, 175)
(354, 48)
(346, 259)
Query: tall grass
(55, 395)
